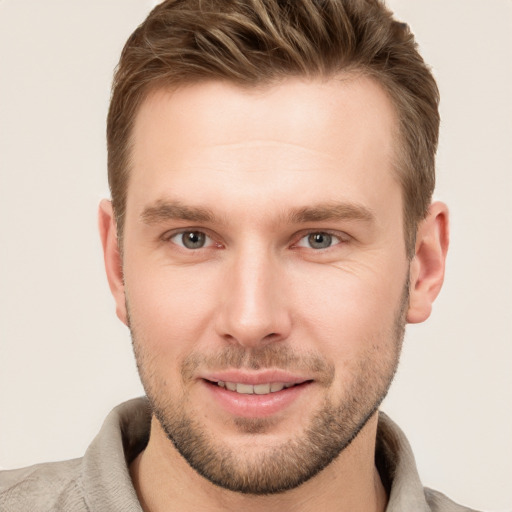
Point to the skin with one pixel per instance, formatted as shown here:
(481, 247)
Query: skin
(256, 160)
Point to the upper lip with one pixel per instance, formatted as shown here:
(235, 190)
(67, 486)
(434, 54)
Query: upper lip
(254, 378)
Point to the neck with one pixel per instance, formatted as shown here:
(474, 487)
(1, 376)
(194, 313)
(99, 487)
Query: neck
(165, 482)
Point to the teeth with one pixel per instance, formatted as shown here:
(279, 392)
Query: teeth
(245, 389)
(262, 389)
(258, 389)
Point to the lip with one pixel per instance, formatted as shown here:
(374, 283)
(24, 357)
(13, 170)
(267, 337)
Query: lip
(255, 406)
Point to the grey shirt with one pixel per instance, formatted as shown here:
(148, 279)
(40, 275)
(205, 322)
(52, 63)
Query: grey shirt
(100, 480)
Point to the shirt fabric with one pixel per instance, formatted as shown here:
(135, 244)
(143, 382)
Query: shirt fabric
(100, 480)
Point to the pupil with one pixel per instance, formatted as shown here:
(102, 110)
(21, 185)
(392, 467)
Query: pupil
(193, 239)
(320, 240)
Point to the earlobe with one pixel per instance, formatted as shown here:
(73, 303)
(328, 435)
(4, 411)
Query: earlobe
(428, 265)
(112, 257)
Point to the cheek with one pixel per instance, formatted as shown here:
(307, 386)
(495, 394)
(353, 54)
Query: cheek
(350, 312)
(354, 325)
(170, 308)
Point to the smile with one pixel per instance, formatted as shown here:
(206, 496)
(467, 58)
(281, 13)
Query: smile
(258, 389)
(256, 396)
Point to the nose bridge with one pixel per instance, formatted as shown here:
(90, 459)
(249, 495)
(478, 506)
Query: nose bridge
(253, 310)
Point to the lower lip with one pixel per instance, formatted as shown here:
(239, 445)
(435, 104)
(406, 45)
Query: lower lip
(256, 406)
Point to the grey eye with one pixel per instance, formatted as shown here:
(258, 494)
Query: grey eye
(319, 240)
(190, 239)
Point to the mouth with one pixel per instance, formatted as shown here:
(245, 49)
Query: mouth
(256, 394)
(255, 389)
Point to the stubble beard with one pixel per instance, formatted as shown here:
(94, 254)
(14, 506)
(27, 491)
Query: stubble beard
(284, 467)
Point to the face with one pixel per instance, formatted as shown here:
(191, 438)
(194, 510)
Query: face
(265, 272)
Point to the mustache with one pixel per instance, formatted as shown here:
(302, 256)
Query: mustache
(272, 356)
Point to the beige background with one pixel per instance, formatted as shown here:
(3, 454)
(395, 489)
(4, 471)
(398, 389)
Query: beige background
(65, 360)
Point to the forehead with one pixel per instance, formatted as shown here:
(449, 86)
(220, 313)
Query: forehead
(271, 143)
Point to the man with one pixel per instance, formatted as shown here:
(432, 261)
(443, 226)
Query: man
(270, 233)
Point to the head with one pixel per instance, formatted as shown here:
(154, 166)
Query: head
(271, 167)
(262, 42)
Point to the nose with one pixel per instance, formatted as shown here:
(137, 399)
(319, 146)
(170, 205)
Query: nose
(255, 308)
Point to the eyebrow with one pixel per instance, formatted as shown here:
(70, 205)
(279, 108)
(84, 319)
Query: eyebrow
(163, 210)
(331, 211)
(174, 210)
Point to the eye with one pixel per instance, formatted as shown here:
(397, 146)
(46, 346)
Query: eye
(191, 239)
(319, 240)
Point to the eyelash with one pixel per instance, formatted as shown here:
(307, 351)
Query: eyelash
(339, 238)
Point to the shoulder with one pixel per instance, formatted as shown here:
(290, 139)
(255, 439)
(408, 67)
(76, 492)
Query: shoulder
(438, 502)
(53, 486)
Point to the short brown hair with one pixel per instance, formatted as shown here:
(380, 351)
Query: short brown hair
(258, 42)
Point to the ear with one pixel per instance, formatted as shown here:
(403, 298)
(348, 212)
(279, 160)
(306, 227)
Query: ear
(428, 265)
(112, 257)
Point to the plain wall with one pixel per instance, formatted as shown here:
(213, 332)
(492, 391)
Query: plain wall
(65, 359)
